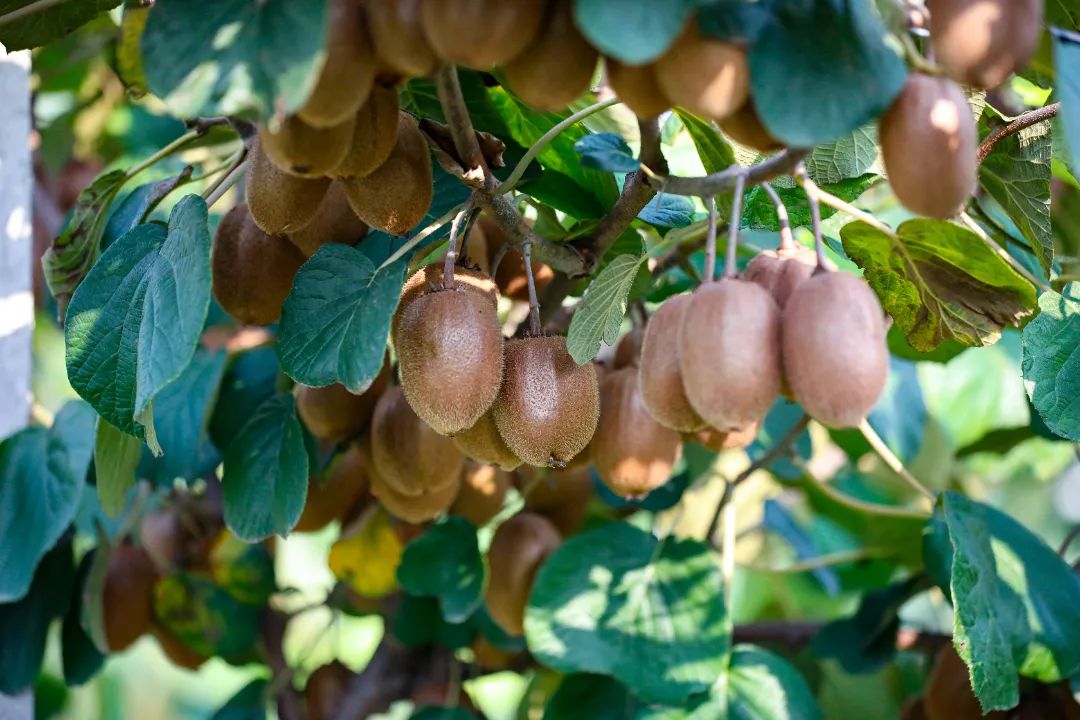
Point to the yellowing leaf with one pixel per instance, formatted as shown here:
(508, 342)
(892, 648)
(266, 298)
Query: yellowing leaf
(367, 558)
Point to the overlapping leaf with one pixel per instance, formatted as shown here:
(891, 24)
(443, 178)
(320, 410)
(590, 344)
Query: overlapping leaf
(602, 309)
(1051, 361)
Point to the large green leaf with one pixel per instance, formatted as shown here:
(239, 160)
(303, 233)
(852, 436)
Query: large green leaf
(1052, 361)
(81, 657)
(45, 24)
(231, 56)
(632, 31)
(821, 69)
(135, 322)
(445, 563)
(616, 601)
(1067, 60)
(42, 473)
(264, 485)
(336, 320)
(583, 696)
(116, 458)
(939, 281)
(760, 213)
(1017, 174)
(601, 312)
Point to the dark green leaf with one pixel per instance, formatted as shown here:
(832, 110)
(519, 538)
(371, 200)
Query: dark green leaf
(632, 31)
(596, 603)
(433, 712)
(1051, 361)
(233, 55)
(137, 205)
(135, 322)
(822, 69)
(81, 657)
(250, 378)
(606, 151)
(264, 485)
(445, 563)
(590, 697)
(204, 617)
(336, 320)
(781, 418)
(734, 20)
(601, 312)
(247, 704)
(419, 621)
(939, 281)
(41, 26)
(42, 473)
(116, 457)
(1067, 60)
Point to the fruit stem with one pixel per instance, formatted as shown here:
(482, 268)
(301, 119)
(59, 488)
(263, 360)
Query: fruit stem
(710, 241)
(854, 503)
(219, 188)
(163, 152)
(787, 241)
(813, 200)
(534, 304)
(421, 236)
(891, 460)
(730, 267)
(1002, 252)
(1025, 120)
(28, 10)
(451, 247)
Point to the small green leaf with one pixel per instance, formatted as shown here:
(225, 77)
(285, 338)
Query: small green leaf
(336, 320)
(116, 457)
(43, 25)
(264, 485)
(668, 211)
(848, 157)
(135, 322)
(1067, 60)
(632, 31)
(939, 281)
(445, 563)
(234, 55)
(715, 152)
(606, 151)
(1051, 361)
(598, 600)
(601, 312)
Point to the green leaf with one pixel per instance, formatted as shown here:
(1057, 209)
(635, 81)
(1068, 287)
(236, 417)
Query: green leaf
(1067, 60)
(249, 380)
(129, 58)
(1017, 174)
(136, 206)
(336, 320)
(81, 657)
(715, 152)
(632, 31)
(264, 485)
(116, 457)
(846, 158)
(616, 601)
(822, 69)
(601, 312)
(1051, 361)
(249, 703)
(73, 252)
(606, 151)
(760, 213)
(434, 712)
(583, 696)
(939, 281)
(233, 55)
(445, 563)
(668, 211)
(204, 617)
(43, 25)
(135, 322)
(42, 473)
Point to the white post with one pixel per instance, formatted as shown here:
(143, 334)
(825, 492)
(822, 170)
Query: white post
(16, 286)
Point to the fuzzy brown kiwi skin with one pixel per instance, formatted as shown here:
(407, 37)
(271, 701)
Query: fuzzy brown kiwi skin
(398, 38)
(480, 34)
(397, 194)
(407, 453)
(429, 278)
(519, 547)
(562, 496)
(712, 439)
(280, 203)
(450, 357)
(334, 222)
(659, 373)
(483, 443)
(333, 413)
(482, 493)
(781, 271)
(636, 87)
(252, 271)
(548, 406)
(128, 596)
(336, 494)
(744, 126)
(325, 690)
(558, 66)
(705, 75)
(510, 274)
(633, 453)
(836, 369)
(300, 149)
(729, 353)
(928, 143)
(414, 509)
(348, 71)
(374, 135)
(982, 42)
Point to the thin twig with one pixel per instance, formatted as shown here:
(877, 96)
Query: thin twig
(710, 241)
(28, 10)
(797, 634)
(534, 304)
(787, 241)
(448, 88)
(731, 269)
(223, 184)
(234, 162)
(1073, 534)
(783, 163)
(813, 199)
(163, 152)
(1025, 120)
(451, 248)
(421, 236)
(854, 503)
(1001, 252)
(891, 460)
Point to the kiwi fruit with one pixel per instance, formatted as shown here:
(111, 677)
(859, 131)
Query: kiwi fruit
(627, 350)
(161, 535)
(335, 494)
(407, 453)
(178, 653)
(334, 222)
(548, 406)
(510, 275)
(332, 413)
(414, 509)
(557, 67)
(520, 545)
(717, 441)
(948, 694)
(301, 149)
(928, 143)
(375, 132)
(252, 271)
(280, 203)
(398, 38)
(128, 596)
(429, 278)
(637, 87)
(744, 126)
(659, 373)
(326, 689)
(983, 42)
(450, 360)
(632, 453)
(482, 493)
(835, 356)
(396, 195)
(707, 76)
(780, 271)
(483, 443)
(562, 496)
(729, 353)
(348, 70)
(480, 34)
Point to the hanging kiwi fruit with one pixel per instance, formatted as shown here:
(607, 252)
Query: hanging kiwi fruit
(982, 42)
(333, 413)
(705, 75)
(406, 453)
(562, 496)
(637, 87)
(301, 149)
(279, 202)
(334, 222)
(348, 70)
(660, 373)
(482, 493)
(374, 136)
(717, 441)
(128, 596)
(399, 38)
(342, 486)
(483, 443)
(480, 34)
(519, 547)
(744, 126)
(782, 270)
